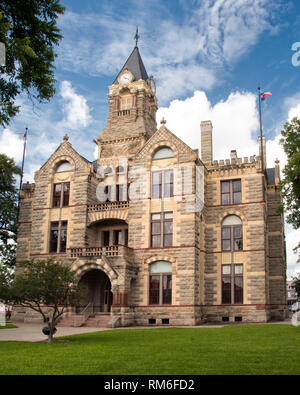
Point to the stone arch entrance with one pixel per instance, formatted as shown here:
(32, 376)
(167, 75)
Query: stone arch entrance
(99, 287)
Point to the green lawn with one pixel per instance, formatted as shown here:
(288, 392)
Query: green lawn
(242, 349)
(7, 326)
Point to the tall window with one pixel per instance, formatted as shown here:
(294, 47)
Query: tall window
(162, 184)
(61, 195)
(232, 284)
(162, 229)
(58, 236)
(232, 274)
(160, 283)
(232, 234)
(231, 192)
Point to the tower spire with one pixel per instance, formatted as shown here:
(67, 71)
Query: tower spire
(136, 37)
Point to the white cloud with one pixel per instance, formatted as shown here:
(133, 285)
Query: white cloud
(235, 126)
(75, 108)
(294, 112)
(202, 43)
(235, 122)
(292, 238)
(12, 145)
(222, 21)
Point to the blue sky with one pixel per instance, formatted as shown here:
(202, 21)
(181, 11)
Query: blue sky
(207, 57)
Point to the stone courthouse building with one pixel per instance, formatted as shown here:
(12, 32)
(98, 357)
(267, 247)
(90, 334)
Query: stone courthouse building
(159, 234)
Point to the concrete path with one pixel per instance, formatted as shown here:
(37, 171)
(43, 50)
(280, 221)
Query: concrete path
(33, 332)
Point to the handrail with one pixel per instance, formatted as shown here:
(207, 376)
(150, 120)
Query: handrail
(85, 311)
(99, 251)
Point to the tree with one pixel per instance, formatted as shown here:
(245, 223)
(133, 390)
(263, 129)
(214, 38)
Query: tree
(290, 184)
(297, 285)
(47, 287)
(8, 210)
(29, 32)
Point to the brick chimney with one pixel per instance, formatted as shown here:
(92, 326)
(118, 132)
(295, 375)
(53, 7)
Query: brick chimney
(206, 142)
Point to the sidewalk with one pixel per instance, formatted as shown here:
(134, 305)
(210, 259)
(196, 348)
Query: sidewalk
(33, 332)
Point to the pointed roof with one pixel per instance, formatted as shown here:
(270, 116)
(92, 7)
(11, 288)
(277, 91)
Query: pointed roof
(135, 65)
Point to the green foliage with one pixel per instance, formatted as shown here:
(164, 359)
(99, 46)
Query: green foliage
(8, 210)
(297, 285)
(290, 185)
(40, 284)
(29, 31)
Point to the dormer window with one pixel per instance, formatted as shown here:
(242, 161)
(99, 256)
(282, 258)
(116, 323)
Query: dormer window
(64, 166)
(163, 153)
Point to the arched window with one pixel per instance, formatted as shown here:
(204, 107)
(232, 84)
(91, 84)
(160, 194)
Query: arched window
(232, 233)
(160, 283)
(64, 166)
(108, 170)
(163, 153)
(232, 273)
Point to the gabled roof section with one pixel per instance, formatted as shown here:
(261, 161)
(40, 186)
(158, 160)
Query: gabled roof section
(164, 137)
(65, 151)
(135, 65)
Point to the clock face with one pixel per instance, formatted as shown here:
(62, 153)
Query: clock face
(125, 78)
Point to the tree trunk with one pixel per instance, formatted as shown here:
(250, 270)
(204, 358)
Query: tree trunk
(51, 328)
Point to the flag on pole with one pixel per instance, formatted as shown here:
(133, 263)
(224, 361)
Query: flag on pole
(265, 95)
(23, 134)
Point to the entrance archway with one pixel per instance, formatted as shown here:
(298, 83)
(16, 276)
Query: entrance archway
(99, 286)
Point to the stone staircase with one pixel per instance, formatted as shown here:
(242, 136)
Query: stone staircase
(67, 321)
(98, 321)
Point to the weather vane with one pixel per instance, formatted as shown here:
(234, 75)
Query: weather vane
(137, 37)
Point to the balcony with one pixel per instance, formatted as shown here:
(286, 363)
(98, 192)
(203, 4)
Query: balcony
(100, 211)
(98, 252)
(107, 206)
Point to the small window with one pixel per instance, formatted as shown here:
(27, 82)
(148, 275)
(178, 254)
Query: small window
(163, 153)
(238, 319)
(231, 192)
(165, 321)
(232, 234)
(225, 319)
(152, 321)
(58, 236)
(64, 166)
(162, 229)
(61, 195)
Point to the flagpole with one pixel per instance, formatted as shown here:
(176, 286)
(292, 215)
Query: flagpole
(22, 172)
(260, 127)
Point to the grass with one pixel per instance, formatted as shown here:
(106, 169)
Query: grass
(8, 326)
(243, 349)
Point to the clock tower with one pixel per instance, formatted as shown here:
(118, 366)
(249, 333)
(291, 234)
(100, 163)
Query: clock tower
(132, 110)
